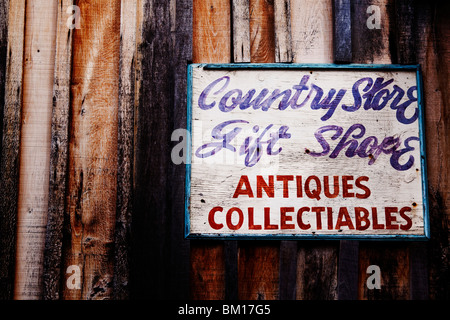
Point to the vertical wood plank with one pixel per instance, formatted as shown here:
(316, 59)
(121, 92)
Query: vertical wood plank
(128, 29)
(317, 271)
(373, 45)
(241, 30)
(181, 16)
(160, 256)
(312, 31)
(58, 154)
(211, 44)
(262, 34)
(433, 52)
(342, 31)
(405, 31)
(348, 270)
(211, 31)
(258, 264)
(283, 41)
(406, 38)
(151, 150)
(312, 37)
(92, 181)
(288, 269)
(348, 250)
(9, 161)
(231, 270)
(4, 8)
(35, 144)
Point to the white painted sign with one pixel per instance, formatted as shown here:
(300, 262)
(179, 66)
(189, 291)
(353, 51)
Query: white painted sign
(305, 151)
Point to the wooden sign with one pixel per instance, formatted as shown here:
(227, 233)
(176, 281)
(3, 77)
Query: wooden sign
(305, 151)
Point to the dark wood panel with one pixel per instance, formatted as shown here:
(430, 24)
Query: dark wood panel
(9, 161)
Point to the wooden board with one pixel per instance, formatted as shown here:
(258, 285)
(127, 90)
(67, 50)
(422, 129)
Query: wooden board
(258, 264)
(432, 45)
(92, 168)
(211, 43)
(247, 195)
(58, 155)
(241, 30)
(312, 31)
(282, 26)
(372, 45)
(9, 161)
(128, 33)
(311, 27)
(35, 147)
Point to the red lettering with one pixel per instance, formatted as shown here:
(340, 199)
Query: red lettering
(248, 189)
(346, 187)
(388, 211)
(299, 186)
(361, 218)
(240, 221)
(267, 225)
(268, 188)
(408, 220)
(251, 223)
(211, 221)
(284, 218)
(285, 180)
(344, 219)
(358, 184)
(375, 224)
(326, 187)
(330, 218)
(299, 219)
(313, 194)
(318, 211)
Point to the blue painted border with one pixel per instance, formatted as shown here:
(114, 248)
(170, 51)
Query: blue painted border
(298, 66)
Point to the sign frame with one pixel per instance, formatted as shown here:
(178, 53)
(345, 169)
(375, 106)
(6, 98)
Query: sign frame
(310, 67)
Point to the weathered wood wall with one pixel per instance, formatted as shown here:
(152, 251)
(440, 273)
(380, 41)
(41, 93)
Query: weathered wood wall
(110, 201)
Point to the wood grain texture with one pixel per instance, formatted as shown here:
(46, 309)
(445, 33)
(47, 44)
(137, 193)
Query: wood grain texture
(317, 271)
(312, 31)
(262, 31)
(288, 270)
(58, 155)
(211, 43)
(128, 28)
(393, 261)
(4, 8)
(258, 270)
(373, 46)
(9, 161)
(35, 142)
(158, 248)
(342, 31)
(211, 31)
(348, 270)
(312, 34)
(404, 51)
(348, 250)
(433, 53)
(283, 39)
(259, 263)
(92, 168)
(182, 34)
(241, 30)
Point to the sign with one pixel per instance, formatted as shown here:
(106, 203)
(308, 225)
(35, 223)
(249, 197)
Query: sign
(305, 151)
